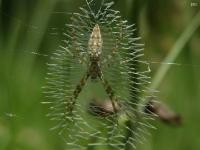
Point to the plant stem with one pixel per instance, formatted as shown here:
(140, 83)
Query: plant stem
(175, 51)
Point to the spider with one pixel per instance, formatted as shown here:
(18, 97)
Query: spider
(94, 70)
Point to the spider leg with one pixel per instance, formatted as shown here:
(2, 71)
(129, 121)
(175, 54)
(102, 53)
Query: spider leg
(108, 90)
(78, 90)
(83, 59)
(109, 58)
(77, 52)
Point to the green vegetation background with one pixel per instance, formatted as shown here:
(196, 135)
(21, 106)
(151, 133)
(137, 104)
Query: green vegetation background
(26, 26)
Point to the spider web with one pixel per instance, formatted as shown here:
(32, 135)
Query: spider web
(120, 56)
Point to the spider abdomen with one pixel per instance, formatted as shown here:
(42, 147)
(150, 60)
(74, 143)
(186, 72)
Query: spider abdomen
(95, 42)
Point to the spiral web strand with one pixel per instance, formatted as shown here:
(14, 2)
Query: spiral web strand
(83, 126)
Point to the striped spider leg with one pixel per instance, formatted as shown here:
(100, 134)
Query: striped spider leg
(108, 60)
(94, 70)
(78, 90)
(109, 91)
(77, 51)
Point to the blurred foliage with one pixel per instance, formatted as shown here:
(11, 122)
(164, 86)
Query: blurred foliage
(36, 25)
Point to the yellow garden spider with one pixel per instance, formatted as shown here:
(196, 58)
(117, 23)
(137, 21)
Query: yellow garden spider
(94, 70)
